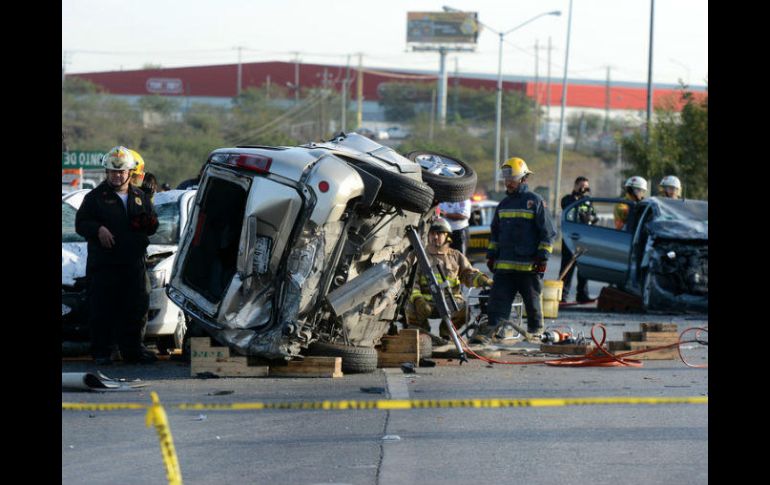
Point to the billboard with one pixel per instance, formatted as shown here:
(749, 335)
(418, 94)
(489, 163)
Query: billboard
(442, 27)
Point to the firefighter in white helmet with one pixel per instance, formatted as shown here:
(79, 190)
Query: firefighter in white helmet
(671, 187)
(635, 190)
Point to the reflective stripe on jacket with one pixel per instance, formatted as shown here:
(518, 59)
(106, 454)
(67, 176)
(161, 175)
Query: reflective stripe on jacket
(520, 229)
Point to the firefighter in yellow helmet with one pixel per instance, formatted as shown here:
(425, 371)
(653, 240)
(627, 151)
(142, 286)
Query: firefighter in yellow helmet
(137, 173)
(457, 269)
(635, 190)
(521, 238)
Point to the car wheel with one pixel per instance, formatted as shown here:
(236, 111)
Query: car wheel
(426, 346)
(355, 360)
(193, 330)
(401, 191)
(452, 180)
(650, 295)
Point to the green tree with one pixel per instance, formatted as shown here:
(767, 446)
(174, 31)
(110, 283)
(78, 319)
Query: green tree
(678, 145)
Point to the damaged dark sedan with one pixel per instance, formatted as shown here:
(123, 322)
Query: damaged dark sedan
(660, 254)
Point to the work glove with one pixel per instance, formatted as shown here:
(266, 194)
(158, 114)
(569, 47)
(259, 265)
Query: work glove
(422, 306)
(485, 281)
(539, 266)
(491, 265)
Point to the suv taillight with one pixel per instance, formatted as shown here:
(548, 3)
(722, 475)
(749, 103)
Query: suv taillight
(255, 163)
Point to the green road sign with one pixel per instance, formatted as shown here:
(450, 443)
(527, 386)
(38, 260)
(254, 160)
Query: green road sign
(81, 159)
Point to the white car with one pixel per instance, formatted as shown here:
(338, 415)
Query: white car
(166, 323)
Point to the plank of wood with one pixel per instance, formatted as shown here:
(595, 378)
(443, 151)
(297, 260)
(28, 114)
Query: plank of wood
(617, 345)
(395, 359)
(400, 346)
(648, 345)
(568, 349)
(658, 336)
(658, 327)
(314, 366)
(632, 336)
(218, 361)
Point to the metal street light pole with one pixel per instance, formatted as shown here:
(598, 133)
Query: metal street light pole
(560, 155)
(499, 114)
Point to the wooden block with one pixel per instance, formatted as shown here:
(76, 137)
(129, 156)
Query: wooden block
(658, 327)
(218, 361)
(665, 354)
(399, 346)
(310, 367)
(648, 345)
(632, 336)
(617, 345)
(395, 359)
(568, 349)
(660, 336)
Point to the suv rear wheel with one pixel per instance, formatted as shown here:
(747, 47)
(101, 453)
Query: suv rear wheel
(360, 360)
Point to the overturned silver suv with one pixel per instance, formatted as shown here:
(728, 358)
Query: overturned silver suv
(296, 247)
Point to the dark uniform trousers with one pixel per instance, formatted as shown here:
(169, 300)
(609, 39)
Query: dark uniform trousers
(119, 297)
(582, 283)
(503, 292)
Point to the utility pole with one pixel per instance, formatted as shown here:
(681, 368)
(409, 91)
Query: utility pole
(536, 93)
(432, 113)
(456, 95)
(442, 85)
(239, 70)
(562, 129)
(548, 84)
(267, 87)
(344, 96)
(649, 76)
(607, 99)
(360, 91)
(296, 77)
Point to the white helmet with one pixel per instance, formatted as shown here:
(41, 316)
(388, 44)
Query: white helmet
(671, 181)
(119, 158)
(636, 182)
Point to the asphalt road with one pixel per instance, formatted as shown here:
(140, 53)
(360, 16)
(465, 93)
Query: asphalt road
(629, 444)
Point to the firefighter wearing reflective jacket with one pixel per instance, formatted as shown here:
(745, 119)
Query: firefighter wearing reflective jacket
(519, 245)
(116, 220)
(457, 269)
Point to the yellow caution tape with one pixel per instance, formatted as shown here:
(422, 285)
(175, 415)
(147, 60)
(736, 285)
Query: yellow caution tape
(395, 404)
(156, 415)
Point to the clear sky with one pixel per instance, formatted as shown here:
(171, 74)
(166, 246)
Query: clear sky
(101, 35)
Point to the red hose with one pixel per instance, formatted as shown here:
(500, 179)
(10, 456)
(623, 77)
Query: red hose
(594, 357)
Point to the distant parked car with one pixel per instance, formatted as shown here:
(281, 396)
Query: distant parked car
(482, 212)
(661, 253)
(166, 323)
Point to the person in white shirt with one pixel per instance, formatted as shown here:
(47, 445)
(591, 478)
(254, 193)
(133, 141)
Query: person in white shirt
(457, 213)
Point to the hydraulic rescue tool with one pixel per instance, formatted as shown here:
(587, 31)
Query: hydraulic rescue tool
(435, 289)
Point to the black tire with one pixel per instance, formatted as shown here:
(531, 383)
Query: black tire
(649, 294)
(426, 346)
(194, 329)
(452, 180)
(355, 360)
(401, 191)
(165, 344)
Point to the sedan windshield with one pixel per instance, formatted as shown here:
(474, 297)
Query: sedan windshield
(168, 223)
(68, 233)
(682, 210)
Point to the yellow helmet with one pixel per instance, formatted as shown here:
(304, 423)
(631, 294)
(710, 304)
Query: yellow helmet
(515, 168)
(137, 174)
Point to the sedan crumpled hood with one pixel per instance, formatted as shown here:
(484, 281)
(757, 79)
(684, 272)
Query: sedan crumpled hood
(690, 230)
(75, 255)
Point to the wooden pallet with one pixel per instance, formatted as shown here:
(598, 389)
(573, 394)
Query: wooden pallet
(397, 349)
(208, 359)
(651, 335)
(566, 349)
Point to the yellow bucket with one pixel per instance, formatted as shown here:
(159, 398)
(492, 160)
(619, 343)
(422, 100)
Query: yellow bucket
(550, 298)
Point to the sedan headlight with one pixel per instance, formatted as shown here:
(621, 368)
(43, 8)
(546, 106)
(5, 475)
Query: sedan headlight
(157, 278)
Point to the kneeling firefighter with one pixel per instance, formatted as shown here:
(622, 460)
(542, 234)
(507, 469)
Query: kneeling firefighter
(455, 267)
